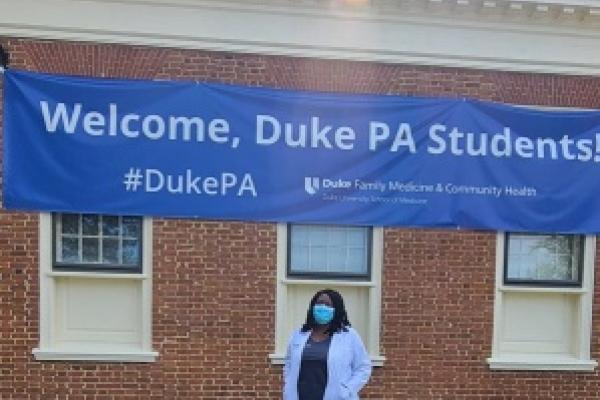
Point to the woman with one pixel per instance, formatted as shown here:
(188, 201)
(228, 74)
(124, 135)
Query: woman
(326, 359)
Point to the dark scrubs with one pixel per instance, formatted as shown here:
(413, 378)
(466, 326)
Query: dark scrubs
(313, 370)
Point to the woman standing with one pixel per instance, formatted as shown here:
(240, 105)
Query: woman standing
(326, 359)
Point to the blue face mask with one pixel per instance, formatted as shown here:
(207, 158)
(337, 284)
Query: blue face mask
(323, 313)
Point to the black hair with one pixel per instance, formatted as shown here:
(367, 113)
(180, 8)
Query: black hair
(340, 317)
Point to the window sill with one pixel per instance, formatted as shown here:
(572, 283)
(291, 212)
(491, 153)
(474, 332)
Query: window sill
(325, 282)
(96, 275)
(279, 359)
(137, 357)
(541, 363)
(533, 289)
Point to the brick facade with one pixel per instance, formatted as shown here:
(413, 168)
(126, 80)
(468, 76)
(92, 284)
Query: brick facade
(214, 282)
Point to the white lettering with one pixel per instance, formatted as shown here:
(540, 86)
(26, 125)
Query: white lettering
(186, 127)
(60, 112)
(210, 185)
(585, 150)
(125, 125)
(500, 145)
(218, 130)
(157, 122)
(261, 120)
(455, 135)
(112, 119)
(344, 138)
(247, 185)
(404, 138)
(93, 123)
(228, 180)
(191, 183)
(318, 134)
(378, 132)
(160, 180)
(524, 147)
(433, 135)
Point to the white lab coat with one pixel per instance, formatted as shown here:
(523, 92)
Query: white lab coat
(348, 366)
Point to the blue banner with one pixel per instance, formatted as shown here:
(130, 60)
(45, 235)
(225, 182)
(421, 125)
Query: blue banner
(199, 150)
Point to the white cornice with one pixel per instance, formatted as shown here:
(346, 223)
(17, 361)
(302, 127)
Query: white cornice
(552, 36)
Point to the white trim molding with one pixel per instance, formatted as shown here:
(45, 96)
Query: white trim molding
(136, 357)
(535, 363)
(369, 299)
(82, 343)
(508, 356)
(550, 37)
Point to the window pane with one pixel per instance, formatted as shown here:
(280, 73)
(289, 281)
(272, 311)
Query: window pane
(543, 257)
(131, 252)
(336, 260)
(301, 234)
(90, 224)
(70, 224)
(318, 259)
(357, 260)
(131, 227)
(106, 242)
(110, 226)
(318, 249)
(70, 250)
(337, 238)
(356, 238)
(90, 250)
(299, 258)
(110, 251)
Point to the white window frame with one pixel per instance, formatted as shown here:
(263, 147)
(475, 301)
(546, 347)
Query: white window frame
(581, 361)
(374, 285)
(543, 282)
(47, 279)
(97, 266)
(335, 275)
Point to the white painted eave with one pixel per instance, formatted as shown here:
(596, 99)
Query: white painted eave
(552, 36)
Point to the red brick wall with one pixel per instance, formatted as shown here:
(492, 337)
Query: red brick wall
(214, 282)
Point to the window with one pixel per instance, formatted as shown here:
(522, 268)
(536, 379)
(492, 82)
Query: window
(539, 259)
(314, 257)
(329, 251)
(89, 242)
(95, 288)
(543, 302)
